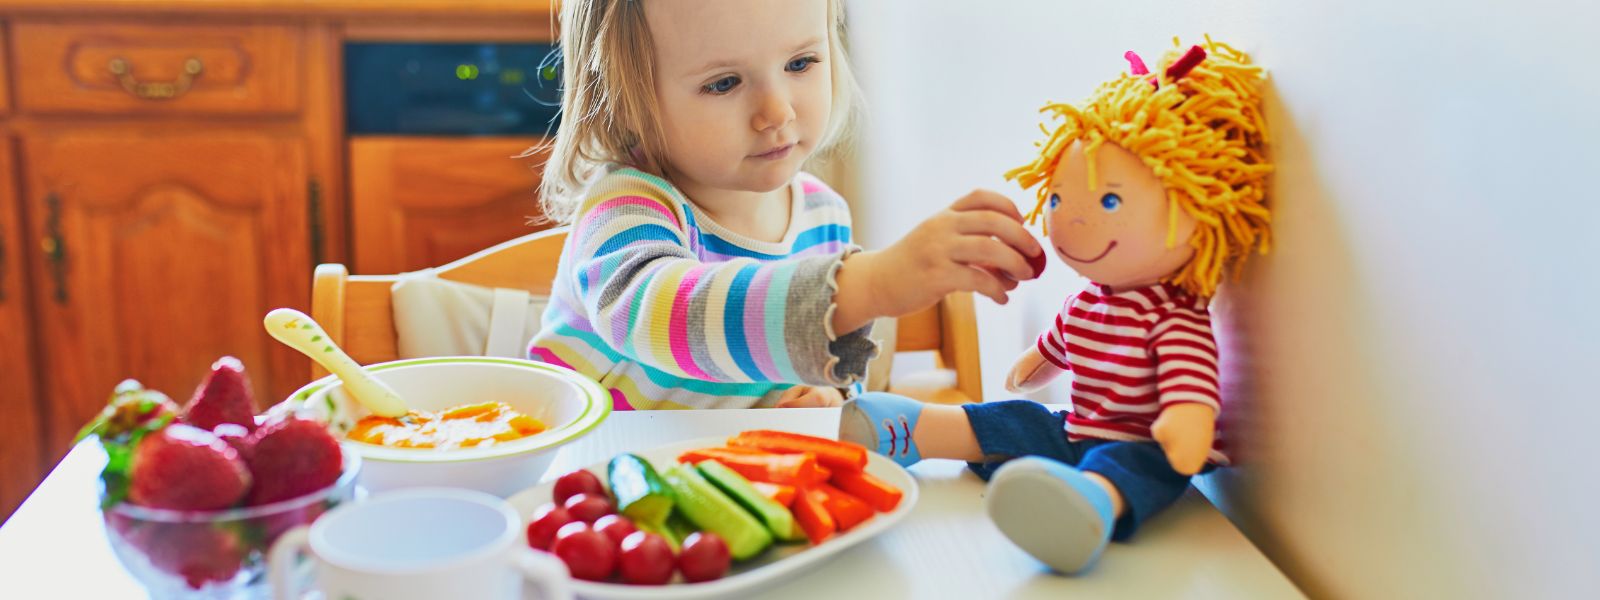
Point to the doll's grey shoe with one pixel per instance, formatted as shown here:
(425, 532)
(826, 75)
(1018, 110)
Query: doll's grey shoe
(1052, 511)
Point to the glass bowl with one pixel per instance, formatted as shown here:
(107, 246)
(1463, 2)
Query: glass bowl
(214, 554)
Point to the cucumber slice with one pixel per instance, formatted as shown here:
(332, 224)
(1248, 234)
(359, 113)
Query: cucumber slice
(641, 495)
(779, 521)
(707, 507)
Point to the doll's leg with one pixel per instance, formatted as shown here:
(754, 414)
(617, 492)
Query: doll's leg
(907, 430)
(1053, 511)
(1139, 473)
(984, 435)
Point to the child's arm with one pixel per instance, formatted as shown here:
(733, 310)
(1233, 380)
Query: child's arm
(1186, 372)
(977, 245)
(651, 299)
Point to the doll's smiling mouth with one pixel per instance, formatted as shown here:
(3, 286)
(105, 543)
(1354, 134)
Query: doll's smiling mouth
(1103, 254)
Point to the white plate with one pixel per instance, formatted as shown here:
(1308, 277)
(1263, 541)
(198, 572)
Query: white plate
(776, 563)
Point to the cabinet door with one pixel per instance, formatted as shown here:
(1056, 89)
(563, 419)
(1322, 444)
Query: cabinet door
(5, 75)
(423, 202)
(159, 253)
(20, 459)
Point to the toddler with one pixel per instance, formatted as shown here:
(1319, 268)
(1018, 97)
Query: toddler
(704, 269)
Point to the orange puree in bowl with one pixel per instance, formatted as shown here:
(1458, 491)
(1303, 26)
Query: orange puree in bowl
(459, 427)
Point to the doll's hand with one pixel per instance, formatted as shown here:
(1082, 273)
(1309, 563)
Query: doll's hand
(805, 396)
(1185, 432)
(1031, 372)
(979, 244)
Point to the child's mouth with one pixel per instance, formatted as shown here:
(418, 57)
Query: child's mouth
(775, 153)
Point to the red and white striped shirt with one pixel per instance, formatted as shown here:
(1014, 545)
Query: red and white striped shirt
(1131, 353)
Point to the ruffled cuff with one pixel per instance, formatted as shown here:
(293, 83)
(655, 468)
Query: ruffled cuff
(822, 356)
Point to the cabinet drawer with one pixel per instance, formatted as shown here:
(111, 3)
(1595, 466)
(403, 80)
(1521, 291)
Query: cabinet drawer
(121, 68)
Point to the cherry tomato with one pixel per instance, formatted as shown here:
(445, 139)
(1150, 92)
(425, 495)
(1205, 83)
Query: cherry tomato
(646, 559)
(589, 554)
(547, 519)
(704, 557)
(615, 527)
(1038, 263)
(588, 507)
(577, 482)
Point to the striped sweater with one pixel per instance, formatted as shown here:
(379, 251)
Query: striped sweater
(668, 309)
(1132, 353)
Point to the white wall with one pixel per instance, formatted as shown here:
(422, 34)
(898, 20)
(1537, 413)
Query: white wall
(1410, 372)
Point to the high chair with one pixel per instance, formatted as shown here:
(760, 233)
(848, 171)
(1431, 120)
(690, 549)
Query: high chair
(355, 311)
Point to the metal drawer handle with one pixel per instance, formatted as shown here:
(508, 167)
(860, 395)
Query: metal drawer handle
(2, 266)
(54, 246)
(155, 90)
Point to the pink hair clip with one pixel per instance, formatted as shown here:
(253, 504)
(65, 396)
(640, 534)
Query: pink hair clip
(1186, 63)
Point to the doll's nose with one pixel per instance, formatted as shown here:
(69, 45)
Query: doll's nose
(1078, 222)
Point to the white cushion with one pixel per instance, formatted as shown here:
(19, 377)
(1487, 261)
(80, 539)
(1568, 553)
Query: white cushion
(438, 317)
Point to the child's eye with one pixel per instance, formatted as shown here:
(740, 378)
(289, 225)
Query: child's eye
(721, 86)
(1054, 200)
(1111, 202)
(802, 64)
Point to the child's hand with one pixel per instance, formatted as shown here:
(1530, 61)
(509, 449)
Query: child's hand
(805, 396)
(1031, 372)
(1185, 432)
(979, 244)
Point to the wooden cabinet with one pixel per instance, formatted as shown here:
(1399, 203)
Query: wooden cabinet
(153, 263)
(20, 450)
(166, 168)
(122, 68)
(423, 202)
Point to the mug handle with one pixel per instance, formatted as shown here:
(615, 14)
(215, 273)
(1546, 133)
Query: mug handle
(281, 560)
(544, 571)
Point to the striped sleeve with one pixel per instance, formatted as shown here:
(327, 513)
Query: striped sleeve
(1186, 359)
(1052, 343)
(654, 301)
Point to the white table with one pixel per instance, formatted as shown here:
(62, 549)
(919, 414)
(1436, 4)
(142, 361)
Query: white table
(55, 546)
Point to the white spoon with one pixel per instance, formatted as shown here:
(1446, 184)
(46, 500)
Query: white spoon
(298, 331)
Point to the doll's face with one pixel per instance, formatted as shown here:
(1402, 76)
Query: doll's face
(1116, 233)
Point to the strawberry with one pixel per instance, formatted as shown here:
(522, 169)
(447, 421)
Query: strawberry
(292, 457)
(224, 397)
(132, 410)
(200, 553)
(186, 468)
(238, 437)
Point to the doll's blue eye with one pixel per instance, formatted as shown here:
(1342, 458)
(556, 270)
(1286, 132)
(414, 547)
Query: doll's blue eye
(1054, 200)
(1111, 202)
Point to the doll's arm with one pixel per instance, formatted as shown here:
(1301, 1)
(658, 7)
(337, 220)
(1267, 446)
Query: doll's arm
(1186, 381)
(1031, 371)
(1185, 432)
(1042, 361)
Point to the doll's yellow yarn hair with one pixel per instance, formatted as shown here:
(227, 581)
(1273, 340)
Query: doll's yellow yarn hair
(1203, 136)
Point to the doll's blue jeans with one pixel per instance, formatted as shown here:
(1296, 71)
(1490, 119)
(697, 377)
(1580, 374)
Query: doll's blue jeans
(1017, 428)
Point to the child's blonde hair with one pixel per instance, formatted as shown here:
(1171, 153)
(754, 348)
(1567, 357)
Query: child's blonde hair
(1202, 134)
(608, 105)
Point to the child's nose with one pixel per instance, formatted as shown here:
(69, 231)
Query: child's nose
(774, 112)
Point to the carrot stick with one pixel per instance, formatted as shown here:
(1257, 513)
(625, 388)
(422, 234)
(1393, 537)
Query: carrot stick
(782, 494)
(848, 511)
(863, 485)
(787, 469)
(813, 517)
(833, 454)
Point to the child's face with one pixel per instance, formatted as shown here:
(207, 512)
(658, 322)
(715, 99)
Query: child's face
(1116, 233)
(743, 87)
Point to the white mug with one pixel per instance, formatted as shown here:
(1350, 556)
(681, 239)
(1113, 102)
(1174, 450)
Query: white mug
(418, 544)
